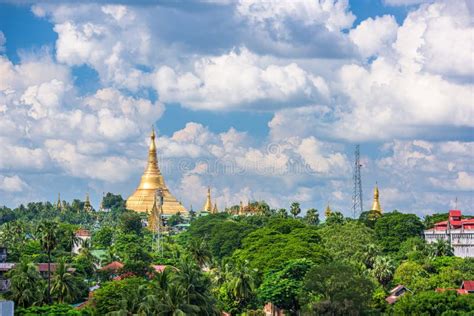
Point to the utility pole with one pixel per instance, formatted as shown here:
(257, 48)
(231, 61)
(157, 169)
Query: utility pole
(357, 207)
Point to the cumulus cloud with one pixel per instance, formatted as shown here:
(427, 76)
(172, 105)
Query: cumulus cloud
(236, 79)
(405, 2)
(12, 184)
(373, 36)
(334, 15)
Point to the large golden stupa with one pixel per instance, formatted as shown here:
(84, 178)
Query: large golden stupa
(152, 180)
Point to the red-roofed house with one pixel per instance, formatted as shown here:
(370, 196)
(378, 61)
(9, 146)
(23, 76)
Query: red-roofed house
(457, 231)
(468, 286)
(113, 267)
(396, 293)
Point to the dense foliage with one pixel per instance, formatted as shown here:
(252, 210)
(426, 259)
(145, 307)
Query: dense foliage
(228, 263)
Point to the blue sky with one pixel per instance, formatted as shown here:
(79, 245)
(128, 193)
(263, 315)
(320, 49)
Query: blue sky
(279, 91)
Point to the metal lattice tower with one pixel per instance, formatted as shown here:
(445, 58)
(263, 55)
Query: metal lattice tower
(357, 207)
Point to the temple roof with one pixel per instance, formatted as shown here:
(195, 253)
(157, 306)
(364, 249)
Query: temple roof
(152, 181)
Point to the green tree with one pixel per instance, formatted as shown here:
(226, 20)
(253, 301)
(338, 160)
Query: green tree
(26, 285)
(394, 228)
(337, 288)
(64, 286)
(282, 213)
(383, 270)
(410, 274)
(103, 237)
(440, 248)
(200, 251)
(283, 287)
(279, 241)
(312, 216)
(111, 295)
(295, 209)
(131, 223)
(335, 218)
(433, 303)
(47, 232)
(348, 241)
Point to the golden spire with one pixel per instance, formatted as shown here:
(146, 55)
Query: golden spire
(87, 203)
(151, 181)
(58, 204)
(376, 205)
(214, 210)
(208, 204)
(328, 211)
(241, 208)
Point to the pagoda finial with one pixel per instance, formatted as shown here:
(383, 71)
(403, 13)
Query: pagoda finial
(208, 204)
(87, 203)
(376, 204)
(214, 210)
(58, 204)
(328, 211)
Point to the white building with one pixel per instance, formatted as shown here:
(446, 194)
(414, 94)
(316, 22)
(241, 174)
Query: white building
(458, 232)
(83, 236)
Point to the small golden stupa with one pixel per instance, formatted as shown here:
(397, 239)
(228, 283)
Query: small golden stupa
(208, 205)
(376, 205)
(143, 198)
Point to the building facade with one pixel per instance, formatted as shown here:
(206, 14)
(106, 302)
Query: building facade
(457, 231)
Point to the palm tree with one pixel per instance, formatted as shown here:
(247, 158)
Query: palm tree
(26, 284)
(383, 270)
(295, 209)
(312, 216)
(72, 238)
(47, 232)
(242, 282)
(200, 251)
(282, 213)
(64, 285)
(370, 253)
(441, 248)
(173, 302)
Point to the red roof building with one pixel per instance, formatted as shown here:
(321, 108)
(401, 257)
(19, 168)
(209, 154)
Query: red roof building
(468, 286)
(455, 222)
(114, 266)
(458, 232)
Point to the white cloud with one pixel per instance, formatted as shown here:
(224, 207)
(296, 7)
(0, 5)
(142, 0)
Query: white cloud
(236, 80)
(12, 184)
(405, 2)
(373, 36)
(438, 38)
(333, 15)
(311, 150)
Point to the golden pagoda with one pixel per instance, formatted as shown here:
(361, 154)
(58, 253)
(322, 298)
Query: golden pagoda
(241, 209)
(208, 205)
(328, 211)
(376, 205)
(87, 204)
(152, 180)
(58, 203)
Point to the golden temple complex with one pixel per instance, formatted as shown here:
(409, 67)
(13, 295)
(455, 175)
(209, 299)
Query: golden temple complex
(143, 198)
(376, 204)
